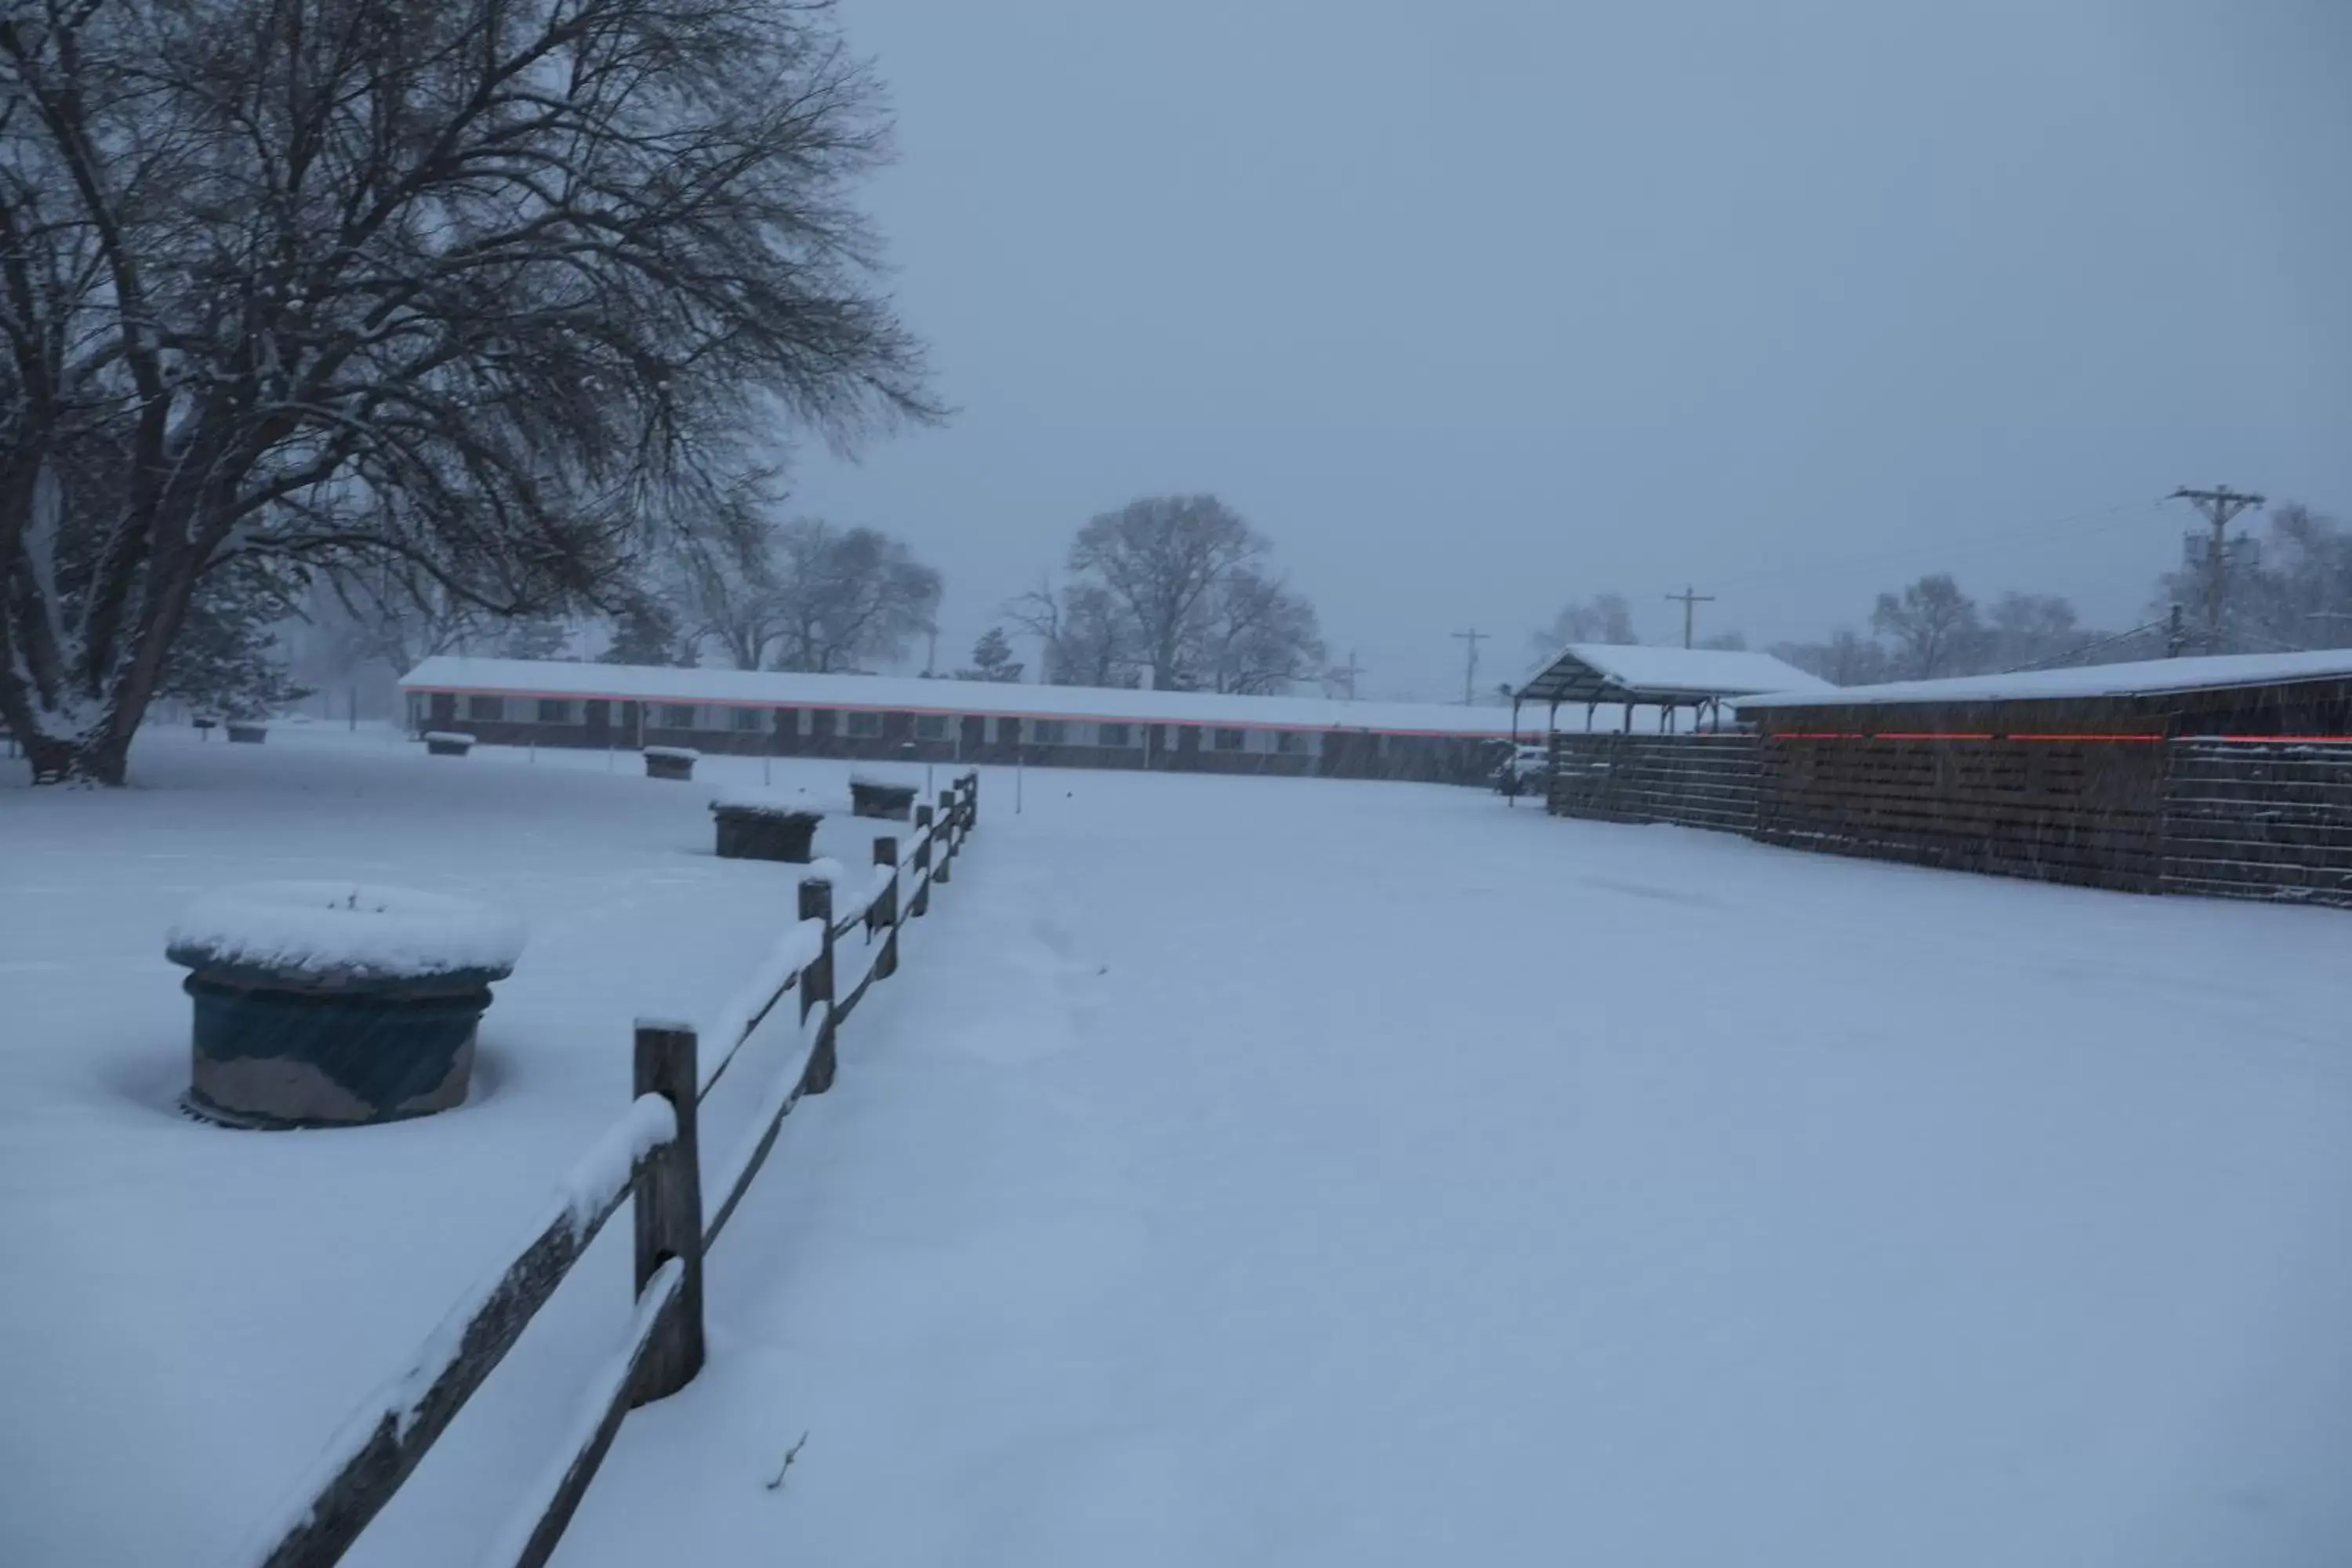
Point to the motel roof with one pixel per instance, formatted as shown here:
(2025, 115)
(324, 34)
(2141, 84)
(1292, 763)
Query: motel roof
(779, 688)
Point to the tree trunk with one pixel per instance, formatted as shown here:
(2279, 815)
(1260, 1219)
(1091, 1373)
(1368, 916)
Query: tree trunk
(100, 758)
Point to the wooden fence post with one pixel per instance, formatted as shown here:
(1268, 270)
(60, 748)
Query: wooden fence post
(922, 900)
(886, 908)
(948, 819)
(668, 1204)
(817, 983)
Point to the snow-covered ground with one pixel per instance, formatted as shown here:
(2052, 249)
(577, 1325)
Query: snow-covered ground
(1243, 1171)
(189, 1313)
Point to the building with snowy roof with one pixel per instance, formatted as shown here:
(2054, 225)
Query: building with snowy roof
(2240, 695)
(1665, 679)
(883, 718)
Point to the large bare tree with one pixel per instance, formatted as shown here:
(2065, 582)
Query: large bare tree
(1175, 588)
(1159, 559)
(810, 596)
(1258, 637)
(489, 295)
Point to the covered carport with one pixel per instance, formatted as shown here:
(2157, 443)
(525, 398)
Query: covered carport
(1666, 679)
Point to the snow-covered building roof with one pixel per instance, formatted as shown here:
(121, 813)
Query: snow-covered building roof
(910, 694)
(1614, 672)
(2142, 677)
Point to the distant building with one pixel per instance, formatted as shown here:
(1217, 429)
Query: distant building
(885, 718)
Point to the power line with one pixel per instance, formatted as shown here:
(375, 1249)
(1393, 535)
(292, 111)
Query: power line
(1691, 599)
(1470, 667)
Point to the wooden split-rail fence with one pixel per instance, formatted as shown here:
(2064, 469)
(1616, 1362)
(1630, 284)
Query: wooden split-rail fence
(652, 1160)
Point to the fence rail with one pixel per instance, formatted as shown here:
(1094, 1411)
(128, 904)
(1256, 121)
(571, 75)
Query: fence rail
(650, 1158)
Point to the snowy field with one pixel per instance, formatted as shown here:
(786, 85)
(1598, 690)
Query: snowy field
(1243, 1171)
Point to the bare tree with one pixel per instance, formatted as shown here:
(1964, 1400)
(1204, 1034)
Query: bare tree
(1258, 637)
(1848, 659)
(492, 293)
(848, 594)
(1159, 559)
(1602, 618)
(1084, 633)
(809, 597)
(1935, 627)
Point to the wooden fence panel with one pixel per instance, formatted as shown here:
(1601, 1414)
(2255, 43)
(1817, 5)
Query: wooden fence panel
(1692, 781)
(2089, 813)
(2260, 820)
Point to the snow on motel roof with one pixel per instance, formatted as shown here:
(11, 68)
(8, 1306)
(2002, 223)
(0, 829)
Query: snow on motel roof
(769, 689)
(2141, 678)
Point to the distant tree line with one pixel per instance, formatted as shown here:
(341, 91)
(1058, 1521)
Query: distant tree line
(1178, 591)
(2288, 587)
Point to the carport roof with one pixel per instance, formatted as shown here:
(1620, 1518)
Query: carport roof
(1611, 672)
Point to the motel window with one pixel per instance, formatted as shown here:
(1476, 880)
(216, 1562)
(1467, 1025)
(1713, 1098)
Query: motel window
(678, 715)
(491, 707)
(861, 726)
(1231, 739)
(1049, 732)
(930, 726)
(745, 718)
(1111, 735)
(554, 710)
(1007, 732)
(1289, 740)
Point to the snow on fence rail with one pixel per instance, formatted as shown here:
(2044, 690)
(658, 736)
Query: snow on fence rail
(650, 1156)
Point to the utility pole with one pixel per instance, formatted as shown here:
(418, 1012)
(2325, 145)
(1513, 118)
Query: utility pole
(2218, 505)
(1347, 673)
(1474, 636)
(1690, 600)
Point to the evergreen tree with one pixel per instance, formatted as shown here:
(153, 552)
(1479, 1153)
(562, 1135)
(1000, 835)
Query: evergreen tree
(992, 658)
(646, 631)
(227, 662)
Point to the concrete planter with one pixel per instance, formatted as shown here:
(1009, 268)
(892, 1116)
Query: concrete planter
(247, 734)
(448, 744)
(671, 762)
(750, 831)
(324, 1004)
(883, 800)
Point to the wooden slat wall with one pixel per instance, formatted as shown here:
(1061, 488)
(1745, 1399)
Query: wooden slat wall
(2089, 813)
(2221, 818)
(2260, 821)
(1692, 781)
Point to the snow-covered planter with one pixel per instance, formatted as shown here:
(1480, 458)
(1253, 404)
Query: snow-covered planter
(446, 743)
(249, 732)
(335, 1003)
(671, 761)
(890, 799)
(754, 824)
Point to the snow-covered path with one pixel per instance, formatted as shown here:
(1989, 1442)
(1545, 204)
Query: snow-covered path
(1307, 1173)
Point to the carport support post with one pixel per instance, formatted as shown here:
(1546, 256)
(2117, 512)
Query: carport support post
(1511, 777)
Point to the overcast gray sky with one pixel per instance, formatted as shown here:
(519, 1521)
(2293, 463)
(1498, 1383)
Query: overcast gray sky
(1478, 307)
